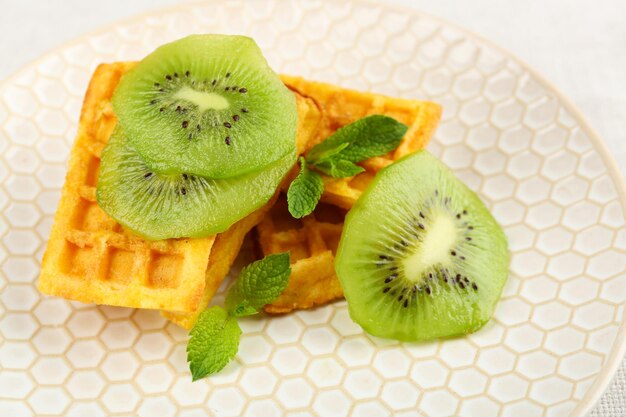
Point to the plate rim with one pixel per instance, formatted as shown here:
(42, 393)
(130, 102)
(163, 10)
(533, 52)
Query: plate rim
(618, 352)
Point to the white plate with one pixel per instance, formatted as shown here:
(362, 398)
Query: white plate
(558, 332)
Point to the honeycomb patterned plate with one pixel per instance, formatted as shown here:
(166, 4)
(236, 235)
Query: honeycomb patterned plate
(557, 335)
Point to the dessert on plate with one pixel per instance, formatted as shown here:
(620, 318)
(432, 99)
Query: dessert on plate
(180, 155)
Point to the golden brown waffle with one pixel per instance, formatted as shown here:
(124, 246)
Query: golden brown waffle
(313, 240)
(342, 106)
(339, 107)
(90, 257)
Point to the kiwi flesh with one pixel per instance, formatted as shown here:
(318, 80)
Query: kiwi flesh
(208, 105)
(161, 206)
(420, 256)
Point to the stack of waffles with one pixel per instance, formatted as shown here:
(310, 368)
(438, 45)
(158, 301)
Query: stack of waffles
(93, 259)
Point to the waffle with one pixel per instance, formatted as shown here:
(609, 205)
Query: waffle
(313, 240)
(93, 259)
(341, 106)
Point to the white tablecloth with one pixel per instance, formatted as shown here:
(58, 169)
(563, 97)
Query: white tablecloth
(578, 45)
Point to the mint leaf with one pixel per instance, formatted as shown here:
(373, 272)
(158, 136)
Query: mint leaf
(214, 341)
(324, 154)
(258, 284)
(367, 137)
(339, 168)
(304, 192)
(337, 156)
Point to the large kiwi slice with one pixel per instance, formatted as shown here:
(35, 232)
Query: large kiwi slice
(208, 105)
(420, 256)
(161, 206)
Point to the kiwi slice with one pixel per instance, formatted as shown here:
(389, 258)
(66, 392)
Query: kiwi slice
(420, 257)
(162, 206)
(208, 105)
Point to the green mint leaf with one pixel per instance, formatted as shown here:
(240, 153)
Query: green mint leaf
(213, 342)
(367, 137)
(324, 154)
(258, 284)
(304, 192)
(339, 168)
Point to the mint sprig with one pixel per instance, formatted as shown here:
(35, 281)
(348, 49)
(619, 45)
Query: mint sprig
(337, 157)
(214, 339)
(338, 168)
(305, 191)
(258, 284)
(213, 342)
(366, 138)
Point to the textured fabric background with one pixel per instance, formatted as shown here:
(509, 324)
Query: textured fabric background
(613, 402)
(579, 47)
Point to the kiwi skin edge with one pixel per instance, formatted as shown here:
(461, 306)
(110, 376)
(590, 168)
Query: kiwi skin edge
(458, 302)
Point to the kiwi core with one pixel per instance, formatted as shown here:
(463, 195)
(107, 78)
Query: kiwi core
(205, 100)
(441, 237)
